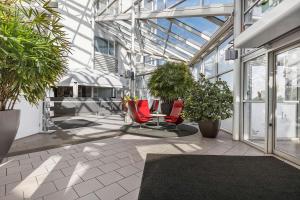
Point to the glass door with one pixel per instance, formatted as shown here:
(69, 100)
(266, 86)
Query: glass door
(254, 101)
(287, 107)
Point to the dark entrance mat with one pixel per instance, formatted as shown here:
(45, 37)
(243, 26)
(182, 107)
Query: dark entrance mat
(197, 177)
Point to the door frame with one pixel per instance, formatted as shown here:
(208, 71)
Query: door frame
(273, 103)
(246, 58)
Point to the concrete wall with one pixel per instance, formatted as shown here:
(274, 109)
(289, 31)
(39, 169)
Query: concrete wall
(31, 118)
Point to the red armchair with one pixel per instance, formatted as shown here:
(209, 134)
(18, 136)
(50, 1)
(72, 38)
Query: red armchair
(143, 108)
(135, 115)
(175, 115)
(154, 106)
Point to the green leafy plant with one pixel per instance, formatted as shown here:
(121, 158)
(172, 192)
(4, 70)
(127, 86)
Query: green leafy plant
(33, 49)
(208, 101)
(170, 81)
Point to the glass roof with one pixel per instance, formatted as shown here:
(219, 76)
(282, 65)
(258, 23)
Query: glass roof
(176, 38)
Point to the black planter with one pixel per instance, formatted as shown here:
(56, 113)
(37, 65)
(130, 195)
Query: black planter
(9, 124)
(209, 128)
(166, 107)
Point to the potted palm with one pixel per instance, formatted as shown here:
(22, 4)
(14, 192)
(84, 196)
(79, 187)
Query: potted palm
(170, 82)
(208, 103)
(32, 58)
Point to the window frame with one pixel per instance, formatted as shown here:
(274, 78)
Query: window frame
(108, 48)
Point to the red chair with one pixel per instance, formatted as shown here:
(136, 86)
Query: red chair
(154, 106)
(135, 115)
(143, 108)
(175, 115)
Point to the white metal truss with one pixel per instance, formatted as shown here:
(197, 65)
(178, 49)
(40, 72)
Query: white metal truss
(198, 11)
(141, 32)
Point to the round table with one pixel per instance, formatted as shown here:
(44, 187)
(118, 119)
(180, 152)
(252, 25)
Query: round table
(157, 115)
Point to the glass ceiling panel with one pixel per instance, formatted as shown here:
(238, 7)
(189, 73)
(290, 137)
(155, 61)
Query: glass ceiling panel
(186, 34)
(163, 22)
(182, 45)
(222, 18)
(209, 2)
(177, 52)
(171, 2)
(201, 24)
(161, 34)
(189, 3)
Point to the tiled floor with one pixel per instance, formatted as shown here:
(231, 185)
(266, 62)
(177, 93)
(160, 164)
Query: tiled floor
(105, 169)
(102, 126)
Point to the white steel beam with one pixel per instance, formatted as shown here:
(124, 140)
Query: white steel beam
(215, 20)
(199, 11)
(215, 38)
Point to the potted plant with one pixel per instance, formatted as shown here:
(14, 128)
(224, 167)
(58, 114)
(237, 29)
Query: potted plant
(125, 101)
(32, 58)
(170, 82)
(208, 103)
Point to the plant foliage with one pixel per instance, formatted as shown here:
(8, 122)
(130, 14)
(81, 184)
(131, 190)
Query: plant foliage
(33, 49)
(170, 81)
(208, 101)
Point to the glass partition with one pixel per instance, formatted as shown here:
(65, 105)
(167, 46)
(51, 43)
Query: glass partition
(255, 72)
(287, 133)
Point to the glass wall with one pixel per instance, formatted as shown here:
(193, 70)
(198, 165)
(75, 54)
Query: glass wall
(255, 73)
(216, 67)
(287, 133)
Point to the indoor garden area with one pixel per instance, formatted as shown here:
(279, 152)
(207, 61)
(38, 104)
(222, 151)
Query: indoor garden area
(149, 99)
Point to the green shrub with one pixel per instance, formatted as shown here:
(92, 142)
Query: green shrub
(208, 101)
(170, 81)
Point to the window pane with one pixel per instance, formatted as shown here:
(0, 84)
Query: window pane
(111, 48)
(210, 64)
(84, 91)
(255, 79)
(287, 102)
(228, 77)
(101, 45)
(254, 123)
(224, 65)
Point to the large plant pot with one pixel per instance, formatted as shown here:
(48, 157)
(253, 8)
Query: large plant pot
(9, 124)
(209, 128)
(166, 107)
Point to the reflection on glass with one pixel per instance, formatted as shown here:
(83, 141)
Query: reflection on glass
(254, 97)
(287, 102)
(224, 65)
(254, 123)
(210, 64)
(228, 77)
(255, 72)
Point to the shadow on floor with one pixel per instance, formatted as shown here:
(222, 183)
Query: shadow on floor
(73, 123)
(163, 131)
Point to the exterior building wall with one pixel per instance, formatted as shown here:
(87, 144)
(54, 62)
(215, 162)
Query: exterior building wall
(77, 19)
